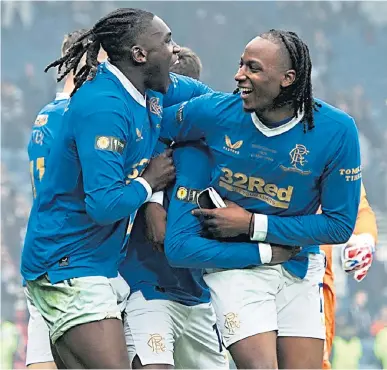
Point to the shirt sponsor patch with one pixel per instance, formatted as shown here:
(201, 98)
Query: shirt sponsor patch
(187, 195)
(110, 143)
(41, 120)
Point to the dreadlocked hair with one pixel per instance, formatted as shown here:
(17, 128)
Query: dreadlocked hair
(116, 33)
(299, 94)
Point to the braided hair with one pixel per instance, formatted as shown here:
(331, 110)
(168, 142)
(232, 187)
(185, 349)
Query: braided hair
(299, 94)
(116, 33)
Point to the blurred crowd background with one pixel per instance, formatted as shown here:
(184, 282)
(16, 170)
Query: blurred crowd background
(349, 52)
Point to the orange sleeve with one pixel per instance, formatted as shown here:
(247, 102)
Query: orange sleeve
(366, 220)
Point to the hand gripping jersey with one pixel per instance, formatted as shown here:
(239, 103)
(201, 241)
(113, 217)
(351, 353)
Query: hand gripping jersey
(92, 187)
(148, 270)
(281, 172)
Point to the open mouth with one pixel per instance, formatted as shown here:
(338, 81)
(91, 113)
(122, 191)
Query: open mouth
(245, 91)
(174, 60)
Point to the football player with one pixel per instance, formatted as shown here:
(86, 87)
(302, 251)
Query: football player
(278, 154)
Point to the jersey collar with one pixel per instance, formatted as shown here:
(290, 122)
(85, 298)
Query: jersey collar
(62, 96)
(129, 87)
(275, 131)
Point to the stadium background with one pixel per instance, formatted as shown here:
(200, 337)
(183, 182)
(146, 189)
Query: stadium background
(349, 52)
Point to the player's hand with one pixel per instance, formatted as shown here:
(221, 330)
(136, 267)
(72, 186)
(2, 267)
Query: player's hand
(225, 222)
(282, 253)
(357, 255)
(155, 225)
(160, 171)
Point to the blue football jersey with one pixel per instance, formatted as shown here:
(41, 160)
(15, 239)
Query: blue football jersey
(148, 270)
(143, 268)
(92, 187)
(46, 128)
(193, 174)
(281, 172)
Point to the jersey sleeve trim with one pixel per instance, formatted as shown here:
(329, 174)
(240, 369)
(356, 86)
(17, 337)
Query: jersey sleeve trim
(147, 187)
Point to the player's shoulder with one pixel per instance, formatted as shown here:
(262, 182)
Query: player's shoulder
(331, 117)
(108, 91)
(220, 100)
(185, 81)
(50, 113)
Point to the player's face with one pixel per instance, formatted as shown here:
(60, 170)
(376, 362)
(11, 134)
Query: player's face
(261, 74)
(161, 54)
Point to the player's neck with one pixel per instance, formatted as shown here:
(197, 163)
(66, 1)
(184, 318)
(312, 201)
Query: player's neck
(69, 85)
(272, 116)
(133, 74)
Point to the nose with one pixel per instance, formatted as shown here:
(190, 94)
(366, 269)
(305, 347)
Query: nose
(176, 49)
(240, 76)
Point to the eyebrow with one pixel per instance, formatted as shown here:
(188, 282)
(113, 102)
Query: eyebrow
(251, 61)
(158, 32)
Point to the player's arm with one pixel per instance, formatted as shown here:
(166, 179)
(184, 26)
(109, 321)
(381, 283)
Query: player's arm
(366, 220)
(183, 88)
(190, 120)
(340, 195)
(155, 215)
(102, 138)
(357, 255)
(184, 247)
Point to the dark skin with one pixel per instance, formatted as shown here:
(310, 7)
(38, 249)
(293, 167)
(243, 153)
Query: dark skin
(153, 54)
(146, 65)
(154, 59)
(264, 70)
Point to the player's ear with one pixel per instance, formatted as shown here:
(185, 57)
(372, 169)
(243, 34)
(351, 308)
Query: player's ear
(288, 78)
(139, 55)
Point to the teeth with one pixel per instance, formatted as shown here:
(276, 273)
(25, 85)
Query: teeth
(245, 90)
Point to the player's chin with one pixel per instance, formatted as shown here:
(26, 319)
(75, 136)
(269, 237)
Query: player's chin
(251, 103)
(248, 106)
(162, 84)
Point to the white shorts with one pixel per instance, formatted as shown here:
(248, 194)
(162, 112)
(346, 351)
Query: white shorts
(268, 298)
(167, 332)
(38, 344)
(76, 301)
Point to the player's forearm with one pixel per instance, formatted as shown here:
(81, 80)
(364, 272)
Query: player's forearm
(116, 204)
(303, 230)
(366, 220)
(198, 252)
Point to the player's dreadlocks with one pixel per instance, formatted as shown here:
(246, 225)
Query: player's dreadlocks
(71, 38)
(116, 33)
(300, 93)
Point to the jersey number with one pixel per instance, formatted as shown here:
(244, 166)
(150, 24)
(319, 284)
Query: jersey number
(37, 165)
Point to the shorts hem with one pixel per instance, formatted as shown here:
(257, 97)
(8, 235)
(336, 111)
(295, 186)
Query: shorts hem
(64, 328)
(302, 335)
(145, 360)
(39, 360)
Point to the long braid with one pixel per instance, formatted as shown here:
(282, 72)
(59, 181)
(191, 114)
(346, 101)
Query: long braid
(116, 33)
(299, 94)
